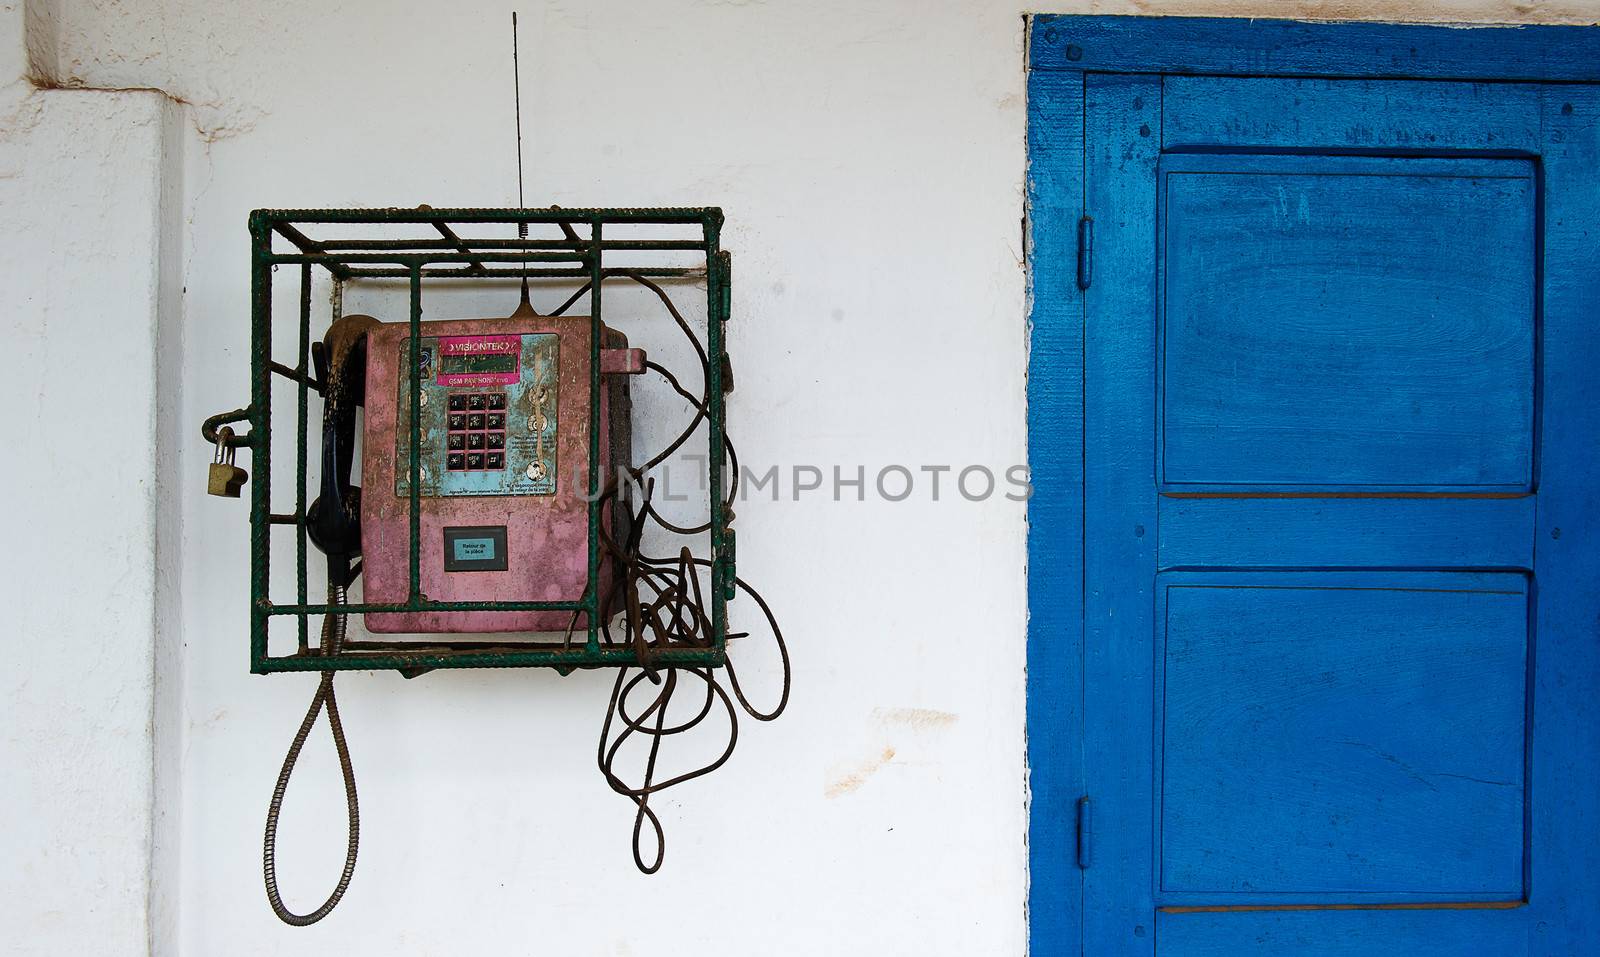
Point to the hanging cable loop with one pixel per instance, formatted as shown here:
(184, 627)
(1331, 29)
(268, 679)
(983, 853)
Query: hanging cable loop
(333, 631)
(664, 606)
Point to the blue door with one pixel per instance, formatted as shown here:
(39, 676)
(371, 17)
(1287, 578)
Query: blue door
(1314, 386)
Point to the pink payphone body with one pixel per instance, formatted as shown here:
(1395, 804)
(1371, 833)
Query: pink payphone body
(504, 478)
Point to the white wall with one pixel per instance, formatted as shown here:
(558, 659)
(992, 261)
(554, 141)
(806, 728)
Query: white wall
(870, 160)
(82, 181)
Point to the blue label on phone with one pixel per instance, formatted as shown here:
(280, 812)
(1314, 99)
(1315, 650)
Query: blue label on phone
(474, 549)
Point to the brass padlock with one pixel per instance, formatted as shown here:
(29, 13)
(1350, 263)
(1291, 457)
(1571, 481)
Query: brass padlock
(225, 478)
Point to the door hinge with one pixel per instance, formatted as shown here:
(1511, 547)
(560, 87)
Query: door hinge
(1085, 833)
(1085, 252)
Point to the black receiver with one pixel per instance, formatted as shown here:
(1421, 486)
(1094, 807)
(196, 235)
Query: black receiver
(334, 520)
(333, 524)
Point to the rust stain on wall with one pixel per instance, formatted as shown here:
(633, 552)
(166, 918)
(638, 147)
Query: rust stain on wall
(853, 779)
(915, 717)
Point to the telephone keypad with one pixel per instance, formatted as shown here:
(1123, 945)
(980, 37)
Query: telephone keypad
(509, 407)
(475, 431)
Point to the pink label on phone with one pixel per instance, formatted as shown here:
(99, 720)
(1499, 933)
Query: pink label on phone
(479, 360)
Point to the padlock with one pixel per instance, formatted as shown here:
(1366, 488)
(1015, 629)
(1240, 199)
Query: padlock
(225, 478)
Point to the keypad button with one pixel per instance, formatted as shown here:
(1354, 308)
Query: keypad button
(455, 461)
(475, 420)
(496, 420)
(475, 402)
(475, 440)
(496, 460)
(457, 441)
(497, 400)
(458, 402)
(497, 440)
(458, 421)
(474, 460)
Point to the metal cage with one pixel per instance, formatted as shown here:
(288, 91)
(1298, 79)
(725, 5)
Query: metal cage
(449, 250)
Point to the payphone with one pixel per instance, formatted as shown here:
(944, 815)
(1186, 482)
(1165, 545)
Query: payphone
(502, 518)
(504, 466)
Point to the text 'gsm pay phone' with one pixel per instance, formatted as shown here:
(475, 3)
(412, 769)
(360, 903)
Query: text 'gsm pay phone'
(502, 519)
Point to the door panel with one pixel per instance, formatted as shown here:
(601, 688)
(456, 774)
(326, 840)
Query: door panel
(1389, 532)
(1392, 116)
(1347, 322)
(1333, 618)
(1439, 932)
(1365, 730)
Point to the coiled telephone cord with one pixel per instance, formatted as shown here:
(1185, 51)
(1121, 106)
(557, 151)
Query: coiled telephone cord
(333, 631)
(651, 721)
(664, 606)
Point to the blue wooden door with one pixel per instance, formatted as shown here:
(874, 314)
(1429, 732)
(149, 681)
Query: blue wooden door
(1339, 608)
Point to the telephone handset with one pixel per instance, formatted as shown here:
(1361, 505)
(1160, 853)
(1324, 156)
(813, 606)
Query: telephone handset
(333, 523)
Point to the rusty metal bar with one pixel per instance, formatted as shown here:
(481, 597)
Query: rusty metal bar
(260, 434)
(414, 594)
(306, 245)
(649, 272)
(467, 246)
(296, 374)
(302, 415)
(680, 215)
(449, 234)
(596, 479)
(422, 258)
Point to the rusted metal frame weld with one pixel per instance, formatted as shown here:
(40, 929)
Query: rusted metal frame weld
(306, 245)
(449, 234)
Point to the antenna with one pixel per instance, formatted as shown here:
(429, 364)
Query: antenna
(525, 307)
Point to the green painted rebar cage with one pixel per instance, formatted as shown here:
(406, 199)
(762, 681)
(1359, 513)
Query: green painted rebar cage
(452, 249)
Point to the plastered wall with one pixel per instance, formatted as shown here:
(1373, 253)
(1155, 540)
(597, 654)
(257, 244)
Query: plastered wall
(870, 160)
(85, 180)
